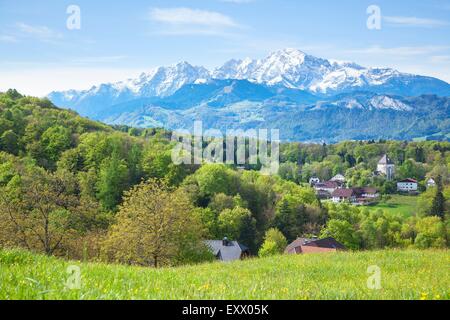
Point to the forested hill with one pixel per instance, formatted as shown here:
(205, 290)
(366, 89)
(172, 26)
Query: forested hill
(80, 189)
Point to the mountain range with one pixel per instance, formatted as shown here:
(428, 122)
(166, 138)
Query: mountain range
(306, 97)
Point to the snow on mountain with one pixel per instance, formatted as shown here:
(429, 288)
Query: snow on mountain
(386, 102)
(295, 69)
(288, 69)
(161, 82)
(167, 80)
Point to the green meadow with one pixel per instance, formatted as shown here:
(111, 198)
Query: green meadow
(398, 204)
(409, 274)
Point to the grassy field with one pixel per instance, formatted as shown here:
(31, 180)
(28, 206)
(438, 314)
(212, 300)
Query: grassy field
(398, 204)
(404, 275)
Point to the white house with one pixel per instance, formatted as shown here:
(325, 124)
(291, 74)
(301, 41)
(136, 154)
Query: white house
(328, 186)
(407, 185)
(313, 181)
(341, 195)
(338, 178)
(431, 183)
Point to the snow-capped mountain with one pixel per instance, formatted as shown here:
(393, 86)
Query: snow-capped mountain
(295, 69)
(310, 98)
(159, 82)
(288, 68)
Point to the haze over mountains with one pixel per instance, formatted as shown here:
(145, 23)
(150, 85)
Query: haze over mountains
(307, 98)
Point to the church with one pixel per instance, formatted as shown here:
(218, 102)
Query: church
(387, 167)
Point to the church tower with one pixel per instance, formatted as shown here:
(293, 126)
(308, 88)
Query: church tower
(387, 167)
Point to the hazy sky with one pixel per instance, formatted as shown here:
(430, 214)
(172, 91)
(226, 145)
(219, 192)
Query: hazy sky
(120, 39)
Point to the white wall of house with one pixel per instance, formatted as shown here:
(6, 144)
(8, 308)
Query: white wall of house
(370, 195)
(407, 186)
(431, 183)
(338, 199)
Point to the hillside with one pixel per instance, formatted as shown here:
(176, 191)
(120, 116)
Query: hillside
(78, 189)
(356, 116)
(405, 275)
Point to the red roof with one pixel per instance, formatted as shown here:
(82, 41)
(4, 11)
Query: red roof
(409, 180)
(304, 245)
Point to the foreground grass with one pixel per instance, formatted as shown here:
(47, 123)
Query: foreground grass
(405, 206)
(404, 275)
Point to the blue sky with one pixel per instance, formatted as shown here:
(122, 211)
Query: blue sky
(120, 39)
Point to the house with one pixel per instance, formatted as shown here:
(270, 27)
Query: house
(314, 245)
(323, 195)
(407, 185)
(227, 250)
(341, 195)
(387, 167)
(366, 195)
(338, 178)
(328, 186)
(356, 196)
(431, 183)
(313, 181)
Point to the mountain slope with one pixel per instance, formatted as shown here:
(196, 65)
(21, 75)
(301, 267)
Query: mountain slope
(359, 115)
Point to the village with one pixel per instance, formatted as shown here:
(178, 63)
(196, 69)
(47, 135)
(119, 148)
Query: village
(336, 190)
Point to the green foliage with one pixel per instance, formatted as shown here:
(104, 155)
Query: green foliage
(155, 226)
(231, 222)
(438, 203)
(412, 169)
(289, 171)
(343, 232)
(430, 233)
(112, 181)
(9, 141)
(213, 178)
(268, 248)
(54, 141)
(274, 243)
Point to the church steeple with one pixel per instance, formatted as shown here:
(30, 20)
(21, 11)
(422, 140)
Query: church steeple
(387, 167)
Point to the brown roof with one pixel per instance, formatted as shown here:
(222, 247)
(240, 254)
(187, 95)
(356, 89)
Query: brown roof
(304, 245)
(365, 190)
(343, 193)
(327, 184)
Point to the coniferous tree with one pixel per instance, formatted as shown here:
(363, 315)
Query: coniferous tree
(438, 204)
